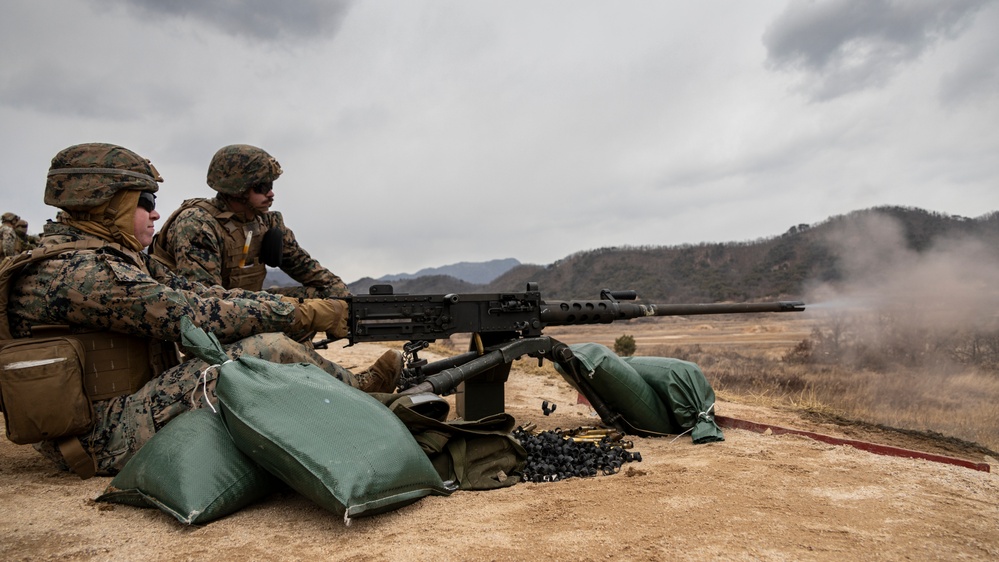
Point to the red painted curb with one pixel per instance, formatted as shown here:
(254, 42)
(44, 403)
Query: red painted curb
(877, 449)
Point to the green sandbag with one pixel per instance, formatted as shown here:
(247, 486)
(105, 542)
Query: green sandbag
(621, 387)
(685, 391)
(332, 443)
(192, 470)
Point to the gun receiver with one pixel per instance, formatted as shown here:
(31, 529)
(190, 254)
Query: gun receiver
(504, 327)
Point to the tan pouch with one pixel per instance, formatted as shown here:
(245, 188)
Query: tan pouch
(41, 389)
(115, 364)
(250, 277)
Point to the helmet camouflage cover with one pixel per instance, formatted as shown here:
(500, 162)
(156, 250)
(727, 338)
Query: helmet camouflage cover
(10, 218)
(84, 176)
(236, 167)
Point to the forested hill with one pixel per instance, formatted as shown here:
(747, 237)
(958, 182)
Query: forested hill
(779, 267)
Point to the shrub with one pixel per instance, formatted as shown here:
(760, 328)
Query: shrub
(625, 345)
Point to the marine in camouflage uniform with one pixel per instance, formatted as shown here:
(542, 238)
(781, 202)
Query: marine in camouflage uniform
(8, 235)
(25, 241)
(112, 286)
(220, 241)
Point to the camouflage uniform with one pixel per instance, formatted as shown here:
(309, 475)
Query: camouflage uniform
(8, 236)
(205, 241)
(116, 288)
(194, 238)
(25, 241)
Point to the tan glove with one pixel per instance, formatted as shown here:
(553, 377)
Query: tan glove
(323, 315)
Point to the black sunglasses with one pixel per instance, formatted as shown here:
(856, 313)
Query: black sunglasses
(147, 201)
(263, 188)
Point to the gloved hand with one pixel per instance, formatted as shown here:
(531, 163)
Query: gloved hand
(323, 315)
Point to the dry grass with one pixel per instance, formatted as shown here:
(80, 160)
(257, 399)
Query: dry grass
(961, 404)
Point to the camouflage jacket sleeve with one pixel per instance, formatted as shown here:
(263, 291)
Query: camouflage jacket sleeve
(196, 247)
(104, 290)
(317, 281)
(8, 241)
(164, 275)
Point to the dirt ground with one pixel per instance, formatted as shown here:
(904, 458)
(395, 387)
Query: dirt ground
(754, 496)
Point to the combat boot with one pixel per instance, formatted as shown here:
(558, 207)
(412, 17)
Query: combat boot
(382, 375)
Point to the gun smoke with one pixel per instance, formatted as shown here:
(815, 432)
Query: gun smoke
(941, 302)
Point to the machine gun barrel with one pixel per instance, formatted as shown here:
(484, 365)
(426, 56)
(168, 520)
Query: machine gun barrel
(565, 313)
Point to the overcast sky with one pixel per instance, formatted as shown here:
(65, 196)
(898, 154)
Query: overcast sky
(417, 134)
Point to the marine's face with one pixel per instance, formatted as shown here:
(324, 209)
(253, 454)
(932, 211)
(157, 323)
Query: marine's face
(260, 197)
(145, 217)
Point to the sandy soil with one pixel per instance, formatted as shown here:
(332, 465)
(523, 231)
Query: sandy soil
(752, 497)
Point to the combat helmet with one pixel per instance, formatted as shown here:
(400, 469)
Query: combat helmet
(84, 176)
(236, 167)
(9, 218)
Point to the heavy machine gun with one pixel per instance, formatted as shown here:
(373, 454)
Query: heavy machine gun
(503, 327)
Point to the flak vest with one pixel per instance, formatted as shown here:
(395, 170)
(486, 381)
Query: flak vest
(242, 267)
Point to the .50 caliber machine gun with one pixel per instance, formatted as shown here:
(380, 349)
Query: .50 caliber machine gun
(503, 327)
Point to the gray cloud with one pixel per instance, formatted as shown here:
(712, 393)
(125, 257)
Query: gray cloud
(974, 76)
(843, 46)
(264, 20)
(62, 87)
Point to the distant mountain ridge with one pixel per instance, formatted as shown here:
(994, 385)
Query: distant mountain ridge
(778, 267)
(471, 272)
(465, 274)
